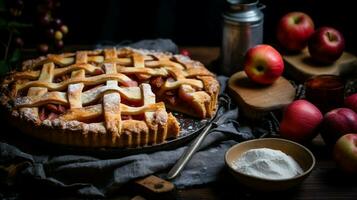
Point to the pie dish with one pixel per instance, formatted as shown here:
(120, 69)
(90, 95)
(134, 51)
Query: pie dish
(108, 98)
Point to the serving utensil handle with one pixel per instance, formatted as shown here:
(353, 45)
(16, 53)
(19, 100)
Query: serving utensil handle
(187, 155)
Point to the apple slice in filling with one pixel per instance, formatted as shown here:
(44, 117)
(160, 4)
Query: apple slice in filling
(51, 111)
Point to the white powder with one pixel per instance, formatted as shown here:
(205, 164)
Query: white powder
(267, 163)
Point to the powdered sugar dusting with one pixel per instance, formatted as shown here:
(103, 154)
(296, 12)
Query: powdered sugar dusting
(75, 87)
(22, 100)
(267, 163)
(160, 117)
(29, 114)
(111, 103)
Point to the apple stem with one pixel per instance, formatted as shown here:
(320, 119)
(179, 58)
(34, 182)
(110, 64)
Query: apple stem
(297, 20)
(330, 36)
(260, 68)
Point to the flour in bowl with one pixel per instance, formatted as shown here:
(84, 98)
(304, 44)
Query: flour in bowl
(267, 163)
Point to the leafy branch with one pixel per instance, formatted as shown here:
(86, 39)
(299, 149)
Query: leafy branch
(10, 26)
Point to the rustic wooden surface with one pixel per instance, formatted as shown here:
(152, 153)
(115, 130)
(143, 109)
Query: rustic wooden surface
(257, 100)
(301, 66)
(325, 181)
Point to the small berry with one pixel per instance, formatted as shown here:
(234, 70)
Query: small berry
(57, 22)
(19, 42)
(50, 32)
(58, 35)
(64, 29)
(185, 52)
(42, 48)
(45, 19)
(59, 44)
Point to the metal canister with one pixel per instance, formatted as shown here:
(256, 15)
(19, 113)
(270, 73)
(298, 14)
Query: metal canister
(242, 29)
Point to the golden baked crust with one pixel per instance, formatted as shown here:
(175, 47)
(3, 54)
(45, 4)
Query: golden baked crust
(108, 98)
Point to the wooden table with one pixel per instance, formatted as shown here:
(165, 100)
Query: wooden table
(325, 181)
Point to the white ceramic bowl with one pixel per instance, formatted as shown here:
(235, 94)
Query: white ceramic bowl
(298, 152)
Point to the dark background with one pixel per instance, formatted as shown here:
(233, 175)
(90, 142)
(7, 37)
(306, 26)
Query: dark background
(189, 23)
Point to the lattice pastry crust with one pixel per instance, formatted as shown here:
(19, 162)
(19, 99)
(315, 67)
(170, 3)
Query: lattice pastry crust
(108, 98)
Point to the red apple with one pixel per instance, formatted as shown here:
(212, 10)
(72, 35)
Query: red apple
(263, 64)
(300, 121)
(326, 45)
(294, 30)
(351, 102)
(338, 122)
(345, 153)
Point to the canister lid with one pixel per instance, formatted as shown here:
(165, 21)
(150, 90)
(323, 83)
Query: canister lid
(243, 11)
(241, 5)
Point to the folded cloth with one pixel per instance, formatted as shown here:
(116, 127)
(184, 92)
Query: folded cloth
(91, 176)
(164, 45)
(40, 172)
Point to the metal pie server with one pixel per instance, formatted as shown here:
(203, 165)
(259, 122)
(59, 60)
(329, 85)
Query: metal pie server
(195, 144)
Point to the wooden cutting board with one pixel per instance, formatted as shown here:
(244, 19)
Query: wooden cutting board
(257, 100)
(301, 66)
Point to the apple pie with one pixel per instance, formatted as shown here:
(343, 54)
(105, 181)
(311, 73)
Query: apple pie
(108, 98)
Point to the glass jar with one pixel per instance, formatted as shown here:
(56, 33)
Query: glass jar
(325, 91)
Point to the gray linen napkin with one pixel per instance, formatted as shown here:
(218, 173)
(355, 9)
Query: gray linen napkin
(94, 177)
(90, 176)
